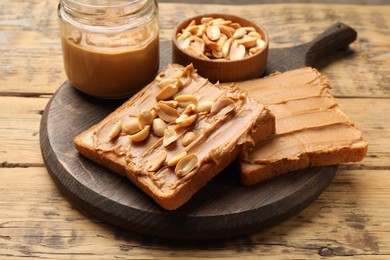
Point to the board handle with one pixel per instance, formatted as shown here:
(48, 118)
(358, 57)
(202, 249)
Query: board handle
(334, 38)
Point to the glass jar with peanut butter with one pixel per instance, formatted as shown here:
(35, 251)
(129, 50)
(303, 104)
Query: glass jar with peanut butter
(110, 47)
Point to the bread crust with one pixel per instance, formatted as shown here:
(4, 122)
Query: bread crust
(255, 173)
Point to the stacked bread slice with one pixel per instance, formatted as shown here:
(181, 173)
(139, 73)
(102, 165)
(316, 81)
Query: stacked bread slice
(311, 130)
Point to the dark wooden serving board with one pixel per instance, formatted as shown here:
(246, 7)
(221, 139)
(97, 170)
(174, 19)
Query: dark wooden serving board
(223, 208)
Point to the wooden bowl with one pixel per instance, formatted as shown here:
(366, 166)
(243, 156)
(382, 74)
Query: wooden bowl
(223, 70)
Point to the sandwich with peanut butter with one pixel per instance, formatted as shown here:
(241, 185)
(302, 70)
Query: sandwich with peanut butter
(176, 134)
(311, 130)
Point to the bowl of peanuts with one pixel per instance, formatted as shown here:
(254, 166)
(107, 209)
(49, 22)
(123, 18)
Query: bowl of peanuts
(221, 47)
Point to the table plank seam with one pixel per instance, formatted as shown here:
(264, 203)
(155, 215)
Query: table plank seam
(6, 164)
(26, 94)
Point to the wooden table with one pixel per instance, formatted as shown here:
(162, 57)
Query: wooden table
(351, 218)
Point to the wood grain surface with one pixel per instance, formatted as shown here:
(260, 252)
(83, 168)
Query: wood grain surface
(223, 208)
(350, 219)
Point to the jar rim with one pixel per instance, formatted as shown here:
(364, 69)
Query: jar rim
(85, 4)
(114, 18)
(116, 9)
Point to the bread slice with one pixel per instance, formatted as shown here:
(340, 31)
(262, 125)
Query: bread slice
(234, 123)
(311, 130)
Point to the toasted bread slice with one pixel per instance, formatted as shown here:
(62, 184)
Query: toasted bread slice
(311, 130)
(234, 123)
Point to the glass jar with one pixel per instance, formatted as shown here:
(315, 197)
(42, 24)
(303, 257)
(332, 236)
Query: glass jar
(110, 47)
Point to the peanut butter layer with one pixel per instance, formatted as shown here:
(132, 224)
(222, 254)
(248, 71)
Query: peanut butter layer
(220, 136)
(309, 125)
(291, 85)
(311, 140)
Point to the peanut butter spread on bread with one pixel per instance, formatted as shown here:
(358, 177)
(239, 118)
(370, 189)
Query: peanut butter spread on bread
(184, 135)
(311, 130)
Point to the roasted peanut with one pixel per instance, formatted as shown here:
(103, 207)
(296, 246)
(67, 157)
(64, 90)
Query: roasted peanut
(166, 82)
(237, 51)
(159, 127)
(185, 100)
(167, 92)
(131, 126)
(141, 135)
(222, 107)
(145, 118)
(116, 129)
(186, 120)
(188, 138)
(186, 165)
(156, 161)
(175, 159)
(170, 136)
(204, 106)
(166, 113)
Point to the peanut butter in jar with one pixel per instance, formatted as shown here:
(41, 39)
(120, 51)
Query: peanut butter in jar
(110, 48)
